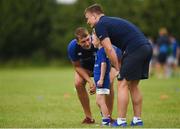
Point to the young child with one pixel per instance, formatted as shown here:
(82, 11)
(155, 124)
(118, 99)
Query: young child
(102, 80)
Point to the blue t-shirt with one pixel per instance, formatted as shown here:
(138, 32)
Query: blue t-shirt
(174, 48)
(163, 43)
(118, 52)
(101, 57)
(121, 32)
(85, 56)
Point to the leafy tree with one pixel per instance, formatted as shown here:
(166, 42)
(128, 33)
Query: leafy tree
(43, 28)
(25, 27)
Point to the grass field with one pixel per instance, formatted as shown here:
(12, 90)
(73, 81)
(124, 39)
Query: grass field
(46, 98)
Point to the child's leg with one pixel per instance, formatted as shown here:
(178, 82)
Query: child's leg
(101, 102)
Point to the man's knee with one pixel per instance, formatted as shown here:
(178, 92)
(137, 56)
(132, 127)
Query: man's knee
(79, 81)
(134, 83)
(123, 83)
(79, 84)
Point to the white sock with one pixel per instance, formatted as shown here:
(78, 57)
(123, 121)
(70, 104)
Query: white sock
(121, 120)
(136, 119)
(105, 117)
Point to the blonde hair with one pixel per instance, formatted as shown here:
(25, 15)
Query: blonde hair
(163, 31)
(80, 33)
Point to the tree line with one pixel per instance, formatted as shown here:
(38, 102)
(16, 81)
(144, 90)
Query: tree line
(42, 29)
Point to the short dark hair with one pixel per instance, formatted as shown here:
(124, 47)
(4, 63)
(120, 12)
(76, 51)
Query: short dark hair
(80, 33)
(95, 8)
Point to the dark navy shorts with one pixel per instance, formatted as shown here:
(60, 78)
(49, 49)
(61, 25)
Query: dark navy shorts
(135, 65)
(162, 57)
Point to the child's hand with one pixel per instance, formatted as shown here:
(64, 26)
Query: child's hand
(100, 83)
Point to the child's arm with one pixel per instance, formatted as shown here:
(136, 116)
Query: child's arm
(103, 71)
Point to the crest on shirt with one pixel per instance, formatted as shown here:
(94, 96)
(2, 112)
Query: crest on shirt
(79, 53)
(100, 37)
(96, 65)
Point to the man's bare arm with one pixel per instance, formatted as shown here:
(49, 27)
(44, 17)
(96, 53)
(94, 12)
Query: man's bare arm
(106, 43)
(82, 72)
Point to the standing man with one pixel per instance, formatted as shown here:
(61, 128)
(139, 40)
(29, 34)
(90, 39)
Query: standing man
(82, 55)
(137, 53)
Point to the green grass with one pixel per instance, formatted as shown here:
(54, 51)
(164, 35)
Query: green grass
(45, 97)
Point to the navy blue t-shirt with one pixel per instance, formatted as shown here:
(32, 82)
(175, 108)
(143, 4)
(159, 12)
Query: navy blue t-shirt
(163, 44)
(85, 56)
(121, 32)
